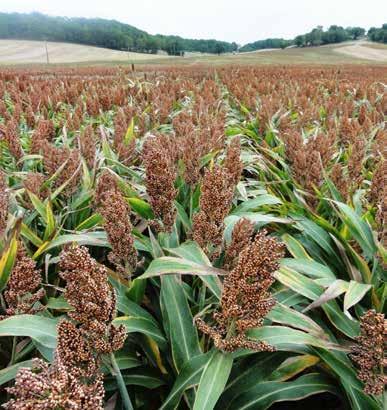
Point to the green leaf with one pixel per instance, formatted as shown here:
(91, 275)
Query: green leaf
(347, 376)
(289, 298)
(332, 188)
(143, 376)
(360, 401)
(137, 290)
(309, 267)
(264, 395)
(31, 236)
(141, 207)
(247, 373)
(129, 135)
(282, 337)
(10, 372)
(129, 307)
(127, 360)
(359, 229)
(39, 206)
(50, 227)
(184, 218)
(191, 261)
(90, 222)
(182, 332)
(308, 288)
(90, 239)
(295, 247)
(213, 380)
(7, 262)
(191, 251)
(257, 218)
(299, 283)
(320, 237)
(157, 251)
(106, 149)
(59, 303)
(188, 377)
(293, 366)
(255, 203)
(167, 265)
(141, 325)
(335, 289)
(39, 328)
(288, 316)
(355, 293)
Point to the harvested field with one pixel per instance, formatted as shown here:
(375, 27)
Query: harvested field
(20, 52)
(25, 52)
(365, 50)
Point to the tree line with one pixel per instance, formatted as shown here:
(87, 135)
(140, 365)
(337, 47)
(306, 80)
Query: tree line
(334, 34)
(378, 34)
(119, 36)
(318, 36)
(268, 43)
(102, 33)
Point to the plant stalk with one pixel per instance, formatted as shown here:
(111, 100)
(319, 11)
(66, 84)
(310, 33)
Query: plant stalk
(13, 354)
(121, 384)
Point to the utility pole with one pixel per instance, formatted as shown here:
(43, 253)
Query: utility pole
(45, 44)
(129, 56)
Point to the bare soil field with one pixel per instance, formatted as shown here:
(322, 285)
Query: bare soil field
(364, 50)
(23, 52)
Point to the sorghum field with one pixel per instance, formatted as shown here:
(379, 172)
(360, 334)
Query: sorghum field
(192, 238)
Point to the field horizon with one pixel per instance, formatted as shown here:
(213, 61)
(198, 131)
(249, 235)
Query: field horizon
(23, 52)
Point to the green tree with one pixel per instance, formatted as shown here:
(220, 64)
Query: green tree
(300, 40)
(355, 32)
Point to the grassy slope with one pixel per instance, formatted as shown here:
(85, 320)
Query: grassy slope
(26, 52)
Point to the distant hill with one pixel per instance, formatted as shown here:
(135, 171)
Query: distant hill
(119, 36)
(102, 33)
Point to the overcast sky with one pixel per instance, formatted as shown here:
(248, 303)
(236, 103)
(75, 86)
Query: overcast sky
(242, 21)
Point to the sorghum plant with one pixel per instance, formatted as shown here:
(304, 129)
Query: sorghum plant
(243, 297)
(4, 203)
(217, 191)
(368, 353)
(246, 298)
(160, 178)
(92, 298)
(23, 288)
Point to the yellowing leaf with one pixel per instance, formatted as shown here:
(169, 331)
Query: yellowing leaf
(7, 261)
